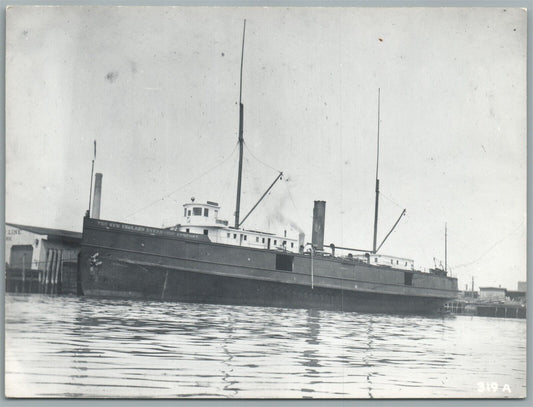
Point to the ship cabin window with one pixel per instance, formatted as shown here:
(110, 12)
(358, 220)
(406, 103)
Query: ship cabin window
(284, 243)
(275, 242)
(406, 263)
(396, 261)
(206, 212)
(245, 237)
(189, 212)
(197, 211)
(263, 240)
(284, 262)
(187, 230)
(408, 278)
(391, 261)
(229, 235)
(235, 235)
(292, 245)
(257, 239)
(184, 211)
(206, 232)
(375, 259)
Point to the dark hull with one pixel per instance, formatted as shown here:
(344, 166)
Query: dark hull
(185, 286)
(135, 264)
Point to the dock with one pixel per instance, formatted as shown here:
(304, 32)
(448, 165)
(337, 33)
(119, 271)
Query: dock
(509, 309)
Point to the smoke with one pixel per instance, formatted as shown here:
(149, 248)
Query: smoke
(276, 214)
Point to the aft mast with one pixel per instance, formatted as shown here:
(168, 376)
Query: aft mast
(241, 138)
(446, 247)
(377, 184)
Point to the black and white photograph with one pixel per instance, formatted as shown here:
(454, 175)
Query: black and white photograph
(265, 202)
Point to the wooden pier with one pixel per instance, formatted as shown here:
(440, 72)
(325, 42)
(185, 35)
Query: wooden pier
(58, 275)
(488, 309)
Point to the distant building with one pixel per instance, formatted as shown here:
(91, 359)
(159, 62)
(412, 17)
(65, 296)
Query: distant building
(522, 286)
(469, 294)
(520, 294)
(29, 247)
(492, 293)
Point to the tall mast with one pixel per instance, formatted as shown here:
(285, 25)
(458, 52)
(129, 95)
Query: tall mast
(446, 247)
(377, 183)
(241, 138)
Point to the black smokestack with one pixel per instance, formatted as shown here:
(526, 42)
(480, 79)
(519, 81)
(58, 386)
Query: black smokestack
(319, 216)
(97, 196)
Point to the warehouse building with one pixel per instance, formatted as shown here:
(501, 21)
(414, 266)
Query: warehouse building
(40, 259)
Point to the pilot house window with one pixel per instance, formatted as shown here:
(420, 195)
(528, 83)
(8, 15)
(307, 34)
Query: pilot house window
(197, 211)
(408, 278)
(206, 212)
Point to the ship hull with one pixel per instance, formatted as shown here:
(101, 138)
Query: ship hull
(132, 262)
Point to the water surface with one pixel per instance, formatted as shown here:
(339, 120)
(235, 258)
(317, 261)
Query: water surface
(83, 347)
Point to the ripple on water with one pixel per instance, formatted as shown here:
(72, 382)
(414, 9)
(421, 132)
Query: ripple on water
(83, 347)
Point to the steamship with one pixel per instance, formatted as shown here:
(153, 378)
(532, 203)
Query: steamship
(204, 259)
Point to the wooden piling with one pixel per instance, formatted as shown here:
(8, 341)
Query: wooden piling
(56, 274)
(48, 284)
(45, 276)
(60, 283)
(44, 273)
(24, 273)
(48, 265)
(41, 274)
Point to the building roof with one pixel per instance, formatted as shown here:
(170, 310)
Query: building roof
(516, 292)
(493, 288)
(48, 231)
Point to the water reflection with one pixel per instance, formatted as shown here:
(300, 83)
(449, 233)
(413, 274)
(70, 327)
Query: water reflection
(82, 347)
(368, 356)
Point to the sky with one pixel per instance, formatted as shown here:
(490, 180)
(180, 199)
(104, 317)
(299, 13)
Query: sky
(158, 90)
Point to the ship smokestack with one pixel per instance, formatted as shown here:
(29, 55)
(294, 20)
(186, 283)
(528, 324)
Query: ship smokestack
(301, 241)
(319, 216)
(97, 195)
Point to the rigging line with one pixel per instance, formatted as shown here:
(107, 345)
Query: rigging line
(253, 155)
(490, 248)
(184, 185)
(390, 199)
